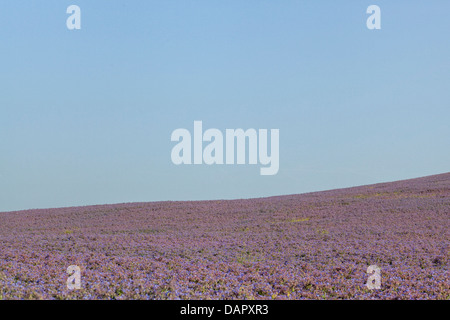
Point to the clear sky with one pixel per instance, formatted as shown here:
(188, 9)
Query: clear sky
(86, 115)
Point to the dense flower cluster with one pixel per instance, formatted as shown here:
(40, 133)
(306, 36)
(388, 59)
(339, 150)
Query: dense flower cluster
(310, 246)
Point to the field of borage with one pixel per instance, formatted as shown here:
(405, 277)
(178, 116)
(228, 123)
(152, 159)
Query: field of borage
(309, 246)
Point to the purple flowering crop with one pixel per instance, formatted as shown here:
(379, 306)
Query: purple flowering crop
(309, 246)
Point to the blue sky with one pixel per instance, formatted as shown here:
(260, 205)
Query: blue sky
(86, 115)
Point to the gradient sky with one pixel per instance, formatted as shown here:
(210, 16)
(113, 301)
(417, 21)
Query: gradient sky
(86, 116)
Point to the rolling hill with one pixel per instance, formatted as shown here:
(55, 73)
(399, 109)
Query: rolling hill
(308, 246)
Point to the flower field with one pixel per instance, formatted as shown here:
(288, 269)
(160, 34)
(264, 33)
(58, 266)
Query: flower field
(308, 246)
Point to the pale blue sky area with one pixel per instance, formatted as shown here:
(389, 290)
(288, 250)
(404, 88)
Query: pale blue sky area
(86, 116)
